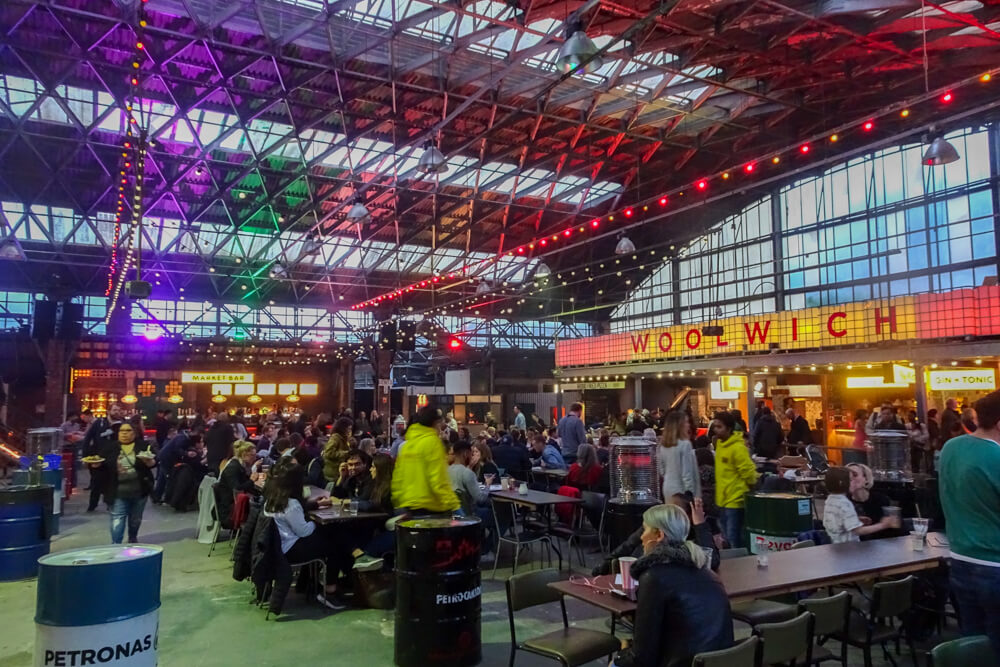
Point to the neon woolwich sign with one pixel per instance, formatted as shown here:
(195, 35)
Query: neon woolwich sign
(969, 312)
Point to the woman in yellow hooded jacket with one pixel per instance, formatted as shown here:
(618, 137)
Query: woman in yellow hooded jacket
(735, 474)
(420, 482)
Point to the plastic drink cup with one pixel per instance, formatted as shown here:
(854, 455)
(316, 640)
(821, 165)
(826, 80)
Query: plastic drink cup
(917, 540)
(625, 565)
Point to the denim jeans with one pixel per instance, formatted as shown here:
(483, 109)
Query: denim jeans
(126, 510)
(161, 482)
(977, 591)
(732, 526)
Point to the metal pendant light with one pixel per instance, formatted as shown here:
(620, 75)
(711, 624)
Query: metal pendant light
(940, 152)
(625, 246)
(575, 53)
(432, 161)
(358, 214)
(483, 288)
(542, 271)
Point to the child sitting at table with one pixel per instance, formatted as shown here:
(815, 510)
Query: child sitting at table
(840, 519)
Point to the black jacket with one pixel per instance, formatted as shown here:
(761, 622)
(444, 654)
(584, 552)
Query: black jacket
(218, 442)
(110, 453)
(799, 431)
(681, 611)
(513, 459)
(358, 487)
(767, 436)
(233, 480)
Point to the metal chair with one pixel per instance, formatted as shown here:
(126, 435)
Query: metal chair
(788, 642)
(570, 646)
(890, 599)
(518, 538)
(594, 506)
(963, 652)
(832, 615)
(744, 654)
(217, 491)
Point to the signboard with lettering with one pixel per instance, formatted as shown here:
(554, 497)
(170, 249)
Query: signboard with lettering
(968, 312)
(961, 379)
(579, 386)
(733, 382)
(213, 377)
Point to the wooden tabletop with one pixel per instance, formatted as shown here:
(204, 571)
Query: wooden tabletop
(337, 514)
(788, 571)
(551, 472)
(534, 498)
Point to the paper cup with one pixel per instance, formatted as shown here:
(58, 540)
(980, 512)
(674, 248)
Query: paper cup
(625, 565)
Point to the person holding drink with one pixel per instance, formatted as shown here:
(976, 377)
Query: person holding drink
(682, 608)
(128, 469)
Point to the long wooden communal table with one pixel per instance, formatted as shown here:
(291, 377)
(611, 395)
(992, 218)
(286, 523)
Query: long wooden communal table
(787, 571)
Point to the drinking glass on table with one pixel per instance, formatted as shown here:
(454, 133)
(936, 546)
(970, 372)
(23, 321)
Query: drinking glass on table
(488, 478)
(920, 526)
(352, 507)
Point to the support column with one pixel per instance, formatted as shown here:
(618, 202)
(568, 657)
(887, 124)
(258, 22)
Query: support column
(920, 388)
(637, 386)
(382, 363)
(56, 355)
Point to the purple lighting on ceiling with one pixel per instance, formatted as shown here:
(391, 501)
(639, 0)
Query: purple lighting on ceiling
(152, 334)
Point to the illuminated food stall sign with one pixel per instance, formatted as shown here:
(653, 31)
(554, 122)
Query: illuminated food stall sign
(211, 378)
(974, 379)
(733, 383)
(579, 386)
(967, 312)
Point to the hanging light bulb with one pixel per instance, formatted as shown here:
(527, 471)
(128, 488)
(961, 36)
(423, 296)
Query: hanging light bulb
(542, 271)
(253, 398)
(432, 161)
(129, 398)
(218, 398)
(940, 152)
(175, 398)
(358, 213)
(577, 49)
(625, 246)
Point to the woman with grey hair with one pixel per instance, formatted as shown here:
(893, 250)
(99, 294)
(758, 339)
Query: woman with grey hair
(682, 607)
(367, 445)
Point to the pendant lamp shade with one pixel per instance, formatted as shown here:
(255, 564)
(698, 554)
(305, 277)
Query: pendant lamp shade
(575, 51)
(940, 152)
(432, 161)
(358, 214)
(483, 288)
(625, 246)
(542, 271)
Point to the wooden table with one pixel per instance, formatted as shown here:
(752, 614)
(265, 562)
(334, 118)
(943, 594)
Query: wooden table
(337, 514)
(534, 498)
(550, 472)
(788, 571)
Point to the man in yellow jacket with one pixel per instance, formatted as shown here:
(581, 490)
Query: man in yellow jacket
(420, 482)
(735, 474)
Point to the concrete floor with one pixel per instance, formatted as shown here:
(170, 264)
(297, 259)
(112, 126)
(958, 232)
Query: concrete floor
(206, 621)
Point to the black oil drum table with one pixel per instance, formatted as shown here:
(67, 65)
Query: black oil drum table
(438, 594)
(624, 518)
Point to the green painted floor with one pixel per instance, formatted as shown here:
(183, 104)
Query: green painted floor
(206, 621)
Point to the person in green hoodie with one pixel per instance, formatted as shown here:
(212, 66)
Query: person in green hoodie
(420, 481)
(735, 474)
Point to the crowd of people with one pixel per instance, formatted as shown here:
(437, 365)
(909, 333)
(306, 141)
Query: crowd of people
(430, 466)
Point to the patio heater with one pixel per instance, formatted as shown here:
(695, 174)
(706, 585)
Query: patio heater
(890, 455)
(634, 487)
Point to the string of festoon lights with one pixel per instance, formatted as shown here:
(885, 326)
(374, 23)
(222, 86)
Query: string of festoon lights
(735, 176)
(130, 174)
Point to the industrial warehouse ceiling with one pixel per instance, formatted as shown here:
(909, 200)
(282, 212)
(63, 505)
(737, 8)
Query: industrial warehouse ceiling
(270, 119)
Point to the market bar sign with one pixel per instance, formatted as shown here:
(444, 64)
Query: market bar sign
(967, 312)
(580, 386)
(211, 378)
(962, 379)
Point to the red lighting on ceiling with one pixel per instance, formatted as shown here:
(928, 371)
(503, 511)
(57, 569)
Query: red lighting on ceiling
(454, 343)
(749, 167)
(543, 242)
(702, 185)
(594, 223)
(663, 201)
(868, 126)
(947, 97)
(804, 148)
(435, 279)
(521, 250)
(628, 213)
